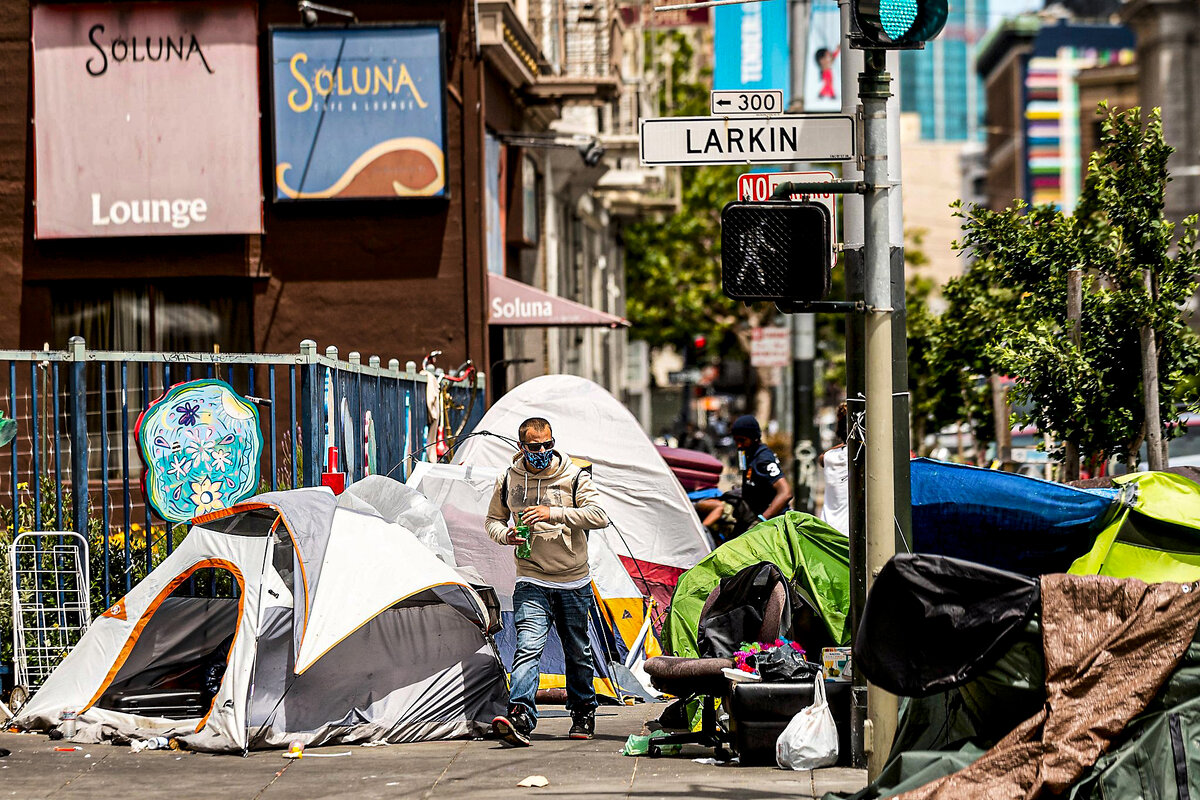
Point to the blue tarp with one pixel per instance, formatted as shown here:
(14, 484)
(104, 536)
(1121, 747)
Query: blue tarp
(1002, 519)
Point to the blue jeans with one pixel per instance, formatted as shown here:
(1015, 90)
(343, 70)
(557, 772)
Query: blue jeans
(535, 609)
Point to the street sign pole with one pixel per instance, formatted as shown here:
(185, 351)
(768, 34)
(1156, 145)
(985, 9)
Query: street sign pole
(874, 89)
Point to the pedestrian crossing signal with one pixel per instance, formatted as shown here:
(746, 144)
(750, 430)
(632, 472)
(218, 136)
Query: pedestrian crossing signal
(896, 24)
(777, 251)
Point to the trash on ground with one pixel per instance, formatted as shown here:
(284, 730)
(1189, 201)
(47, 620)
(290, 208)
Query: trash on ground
(66, 749)
(713, 762)
(637, 745)
(316, 755)
(295, 749)
(153, 743)
(534, 782)
(375, 744)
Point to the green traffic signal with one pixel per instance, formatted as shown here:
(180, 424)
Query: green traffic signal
(897, 24)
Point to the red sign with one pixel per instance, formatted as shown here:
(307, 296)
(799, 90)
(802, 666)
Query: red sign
(146, 119)
(757, 187)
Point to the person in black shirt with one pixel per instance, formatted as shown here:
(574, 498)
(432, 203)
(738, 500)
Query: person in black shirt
(764, 488)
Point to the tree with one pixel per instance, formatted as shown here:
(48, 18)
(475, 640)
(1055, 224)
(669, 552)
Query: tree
(673, 263)
(1008, 315)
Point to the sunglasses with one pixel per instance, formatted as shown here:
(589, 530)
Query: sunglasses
(533, 447)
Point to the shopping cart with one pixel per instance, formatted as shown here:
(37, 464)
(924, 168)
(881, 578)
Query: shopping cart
(51, 611)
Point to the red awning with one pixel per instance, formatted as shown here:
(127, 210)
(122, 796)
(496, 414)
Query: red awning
(513, 303)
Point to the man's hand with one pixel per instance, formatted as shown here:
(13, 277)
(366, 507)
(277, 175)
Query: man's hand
(513, 538)
(535, 514)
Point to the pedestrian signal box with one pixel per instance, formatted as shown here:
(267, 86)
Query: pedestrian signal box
(775, 251)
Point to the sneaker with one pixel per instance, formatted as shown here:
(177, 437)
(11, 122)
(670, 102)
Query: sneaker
(513, 728)
(583, 724)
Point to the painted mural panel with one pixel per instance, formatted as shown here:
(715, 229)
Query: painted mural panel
(200, 444)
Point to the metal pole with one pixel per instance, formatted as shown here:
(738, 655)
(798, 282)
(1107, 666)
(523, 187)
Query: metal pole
(873, 91)
(852, 236)
(901, 400)
(804, 455)
(79, 437)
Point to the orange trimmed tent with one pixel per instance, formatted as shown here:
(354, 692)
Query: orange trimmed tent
(344, 627)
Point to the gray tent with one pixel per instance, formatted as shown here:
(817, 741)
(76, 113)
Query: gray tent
(344, 628)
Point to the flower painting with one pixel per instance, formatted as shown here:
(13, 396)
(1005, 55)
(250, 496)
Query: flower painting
(200, 444)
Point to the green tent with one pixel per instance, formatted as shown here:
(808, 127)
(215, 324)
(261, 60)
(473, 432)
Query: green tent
(1154, 533)
(813, 556)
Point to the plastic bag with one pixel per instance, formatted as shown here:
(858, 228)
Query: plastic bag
(784, 665)
(810, 740)
(637, 745)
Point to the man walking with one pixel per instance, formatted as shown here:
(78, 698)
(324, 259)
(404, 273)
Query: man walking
(764, 489)
(544, 490)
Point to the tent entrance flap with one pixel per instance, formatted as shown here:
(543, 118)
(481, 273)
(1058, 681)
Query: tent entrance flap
(174, 660)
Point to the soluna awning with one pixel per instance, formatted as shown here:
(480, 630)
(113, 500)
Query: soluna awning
(513, 303)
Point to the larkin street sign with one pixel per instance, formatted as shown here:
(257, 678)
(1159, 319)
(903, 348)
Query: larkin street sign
(747, 140)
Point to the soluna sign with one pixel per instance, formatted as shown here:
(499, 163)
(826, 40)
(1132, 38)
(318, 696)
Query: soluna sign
(146, 120)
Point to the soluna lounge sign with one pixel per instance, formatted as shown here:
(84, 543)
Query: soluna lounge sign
(358, 112)
(122, 147)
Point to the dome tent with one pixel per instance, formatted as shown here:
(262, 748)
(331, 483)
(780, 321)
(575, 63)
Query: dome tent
(654, 531)
(344, 628)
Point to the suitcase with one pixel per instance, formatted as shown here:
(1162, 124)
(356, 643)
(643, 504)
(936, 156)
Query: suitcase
(758, 713)
(170, 704)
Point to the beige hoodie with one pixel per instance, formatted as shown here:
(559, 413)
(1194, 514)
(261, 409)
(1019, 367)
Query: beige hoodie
(558, 547)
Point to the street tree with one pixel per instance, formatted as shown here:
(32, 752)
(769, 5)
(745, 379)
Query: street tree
(673, 262)
(1118, 370)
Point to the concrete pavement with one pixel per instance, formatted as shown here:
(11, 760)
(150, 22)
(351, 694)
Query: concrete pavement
(450, 770)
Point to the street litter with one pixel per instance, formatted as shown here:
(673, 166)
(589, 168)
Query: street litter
(534, 782)
(637, 745)
(153, 743)
(66, 749)
(289, 754)
(713, 762)
(374, 744)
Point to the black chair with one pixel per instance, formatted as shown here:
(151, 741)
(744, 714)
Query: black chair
(703, 677)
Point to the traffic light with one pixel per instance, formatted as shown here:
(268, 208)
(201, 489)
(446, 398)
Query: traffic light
(896, 24)
(775, 251)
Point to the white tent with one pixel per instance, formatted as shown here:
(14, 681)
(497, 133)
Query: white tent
(343, 628)
(462, 494)
(655, 532)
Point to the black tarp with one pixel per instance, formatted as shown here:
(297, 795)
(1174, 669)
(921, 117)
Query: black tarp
(933, 622)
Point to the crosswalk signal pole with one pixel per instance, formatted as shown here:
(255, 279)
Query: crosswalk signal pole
(874, 88)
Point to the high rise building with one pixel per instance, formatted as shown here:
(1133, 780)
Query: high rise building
(940, 83)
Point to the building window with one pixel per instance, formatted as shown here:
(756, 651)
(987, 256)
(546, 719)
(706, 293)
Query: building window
(187, 315)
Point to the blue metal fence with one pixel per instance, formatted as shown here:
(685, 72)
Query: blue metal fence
(75, 464)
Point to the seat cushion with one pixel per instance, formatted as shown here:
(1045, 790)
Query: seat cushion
(687, 676)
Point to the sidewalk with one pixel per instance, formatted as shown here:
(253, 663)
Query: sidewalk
(453, 770)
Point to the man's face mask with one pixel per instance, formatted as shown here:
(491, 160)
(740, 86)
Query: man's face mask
(540, 457)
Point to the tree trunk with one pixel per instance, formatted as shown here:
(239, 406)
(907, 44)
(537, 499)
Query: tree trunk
(763, 410)
(1154, 439)
(1074, 320)
(1003, 426)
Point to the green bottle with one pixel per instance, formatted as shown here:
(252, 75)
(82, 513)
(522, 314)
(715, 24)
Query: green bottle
(524, 548)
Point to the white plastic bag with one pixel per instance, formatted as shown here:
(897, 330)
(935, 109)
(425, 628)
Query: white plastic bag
(810, 740)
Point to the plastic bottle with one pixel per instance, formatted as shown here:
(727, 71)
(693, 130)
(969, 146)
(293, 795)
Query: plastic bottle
(158, 743)
(524, 549)
(68, 726)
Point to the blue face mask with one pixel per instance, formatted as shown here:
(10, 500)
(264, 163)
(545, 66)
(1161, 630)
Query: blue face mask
(539, 460)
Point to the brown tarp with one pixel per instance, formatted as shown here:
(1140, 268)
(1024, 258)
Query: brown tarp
(1110, 645)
